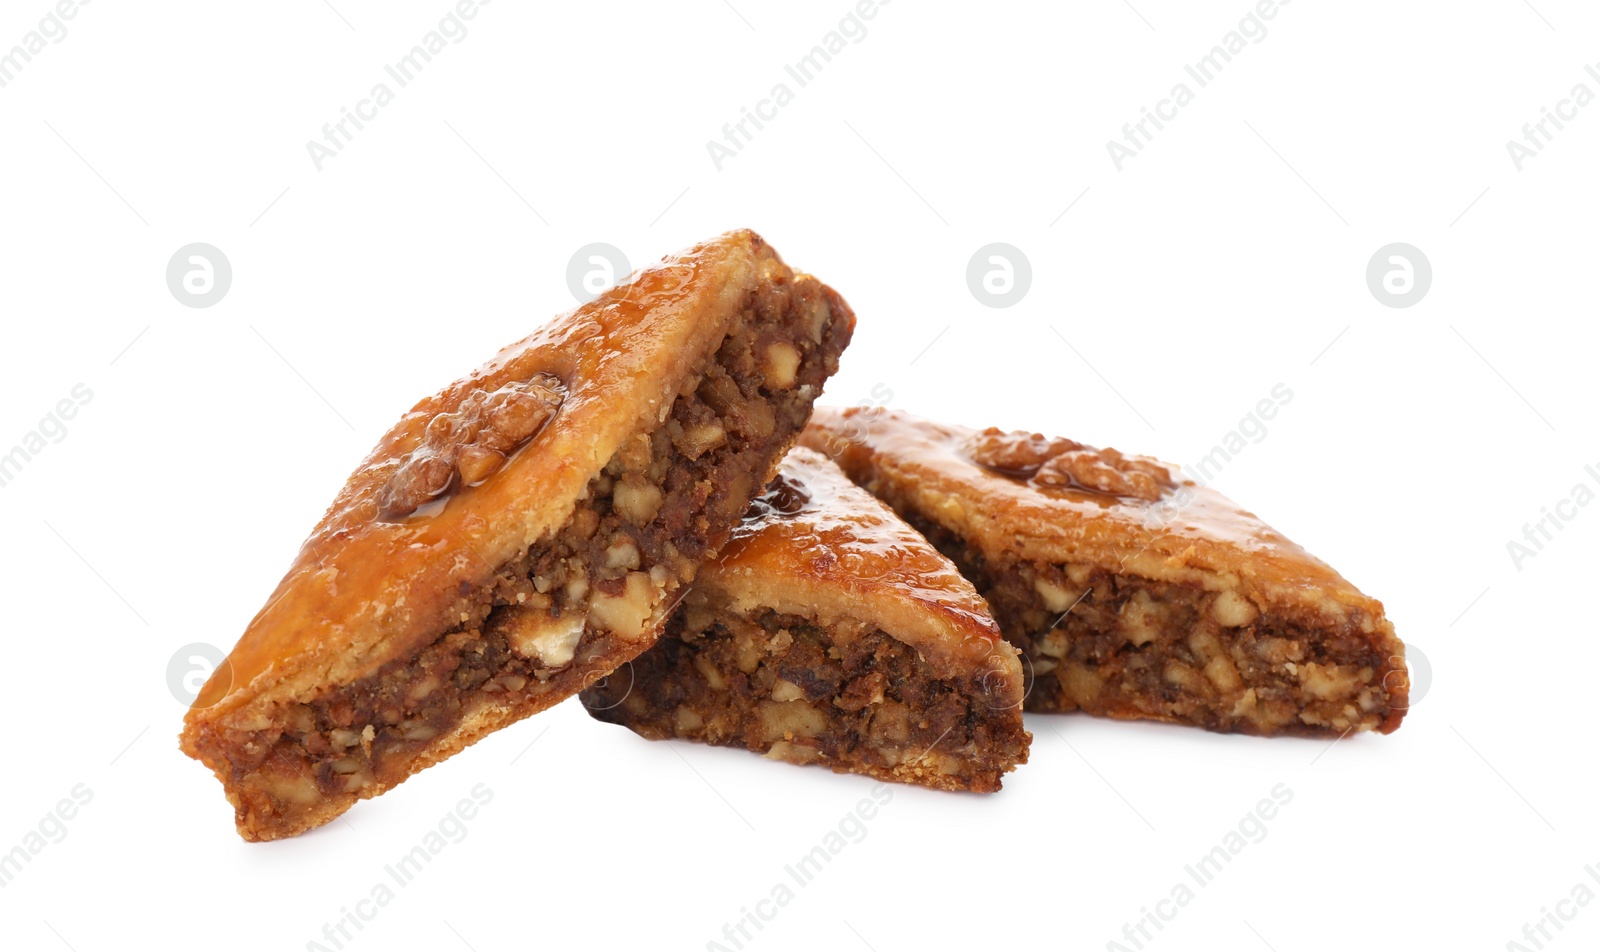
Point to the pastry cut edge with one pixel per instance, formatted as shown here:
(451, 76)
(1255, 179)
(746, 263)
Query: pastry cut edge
(1133, 592)
(830, 633)
(520, 534)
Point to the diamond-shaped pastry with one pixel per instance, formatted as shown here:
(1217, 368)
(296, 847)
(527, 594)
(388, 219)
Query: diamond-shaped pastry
(520, 534)
(829, 632)
(1133, 591)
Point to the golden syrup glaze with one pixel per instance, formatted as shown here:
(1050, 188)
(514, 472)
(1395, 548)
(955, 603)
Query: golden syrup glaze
(819, 546)
(364, 590)
(1191, 534)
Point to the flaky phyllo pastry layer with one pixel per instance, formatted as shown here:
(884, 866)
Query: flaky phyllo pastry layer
(520, 534)
(1132, 593)
(829, 632)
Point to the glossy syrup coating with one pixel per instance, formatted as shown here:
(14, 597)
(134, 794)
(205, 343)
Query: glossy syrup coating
(819, 546)
(1187, 532)
(370, 586)
(831, 633)
(1138, 521)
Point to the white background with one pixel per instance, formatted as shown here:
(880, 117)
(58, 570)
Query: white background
(1227, 258)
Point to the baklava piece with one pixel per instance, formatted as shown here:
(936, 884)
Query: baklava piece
(830, 633)
(1133, 592)
(520, 534)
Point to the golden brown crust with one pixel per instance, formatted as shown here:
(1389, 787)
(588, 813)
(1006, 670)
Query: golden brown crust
(820, 545)
(1126, 518)
(472, 477)
(1191, 533)
(366, 590)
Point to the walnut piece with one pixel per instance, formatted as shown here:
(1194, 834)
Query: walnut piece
(625, 615)
(1063, 463)
(1232, 610)
(467, 446)
(782, 363)
(783, 720)
(1018, 453)
(636, 500)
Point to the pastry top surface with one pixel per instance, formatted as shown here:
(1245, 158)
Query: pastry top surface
(383, 572)
(1020, 496)
(817, 545)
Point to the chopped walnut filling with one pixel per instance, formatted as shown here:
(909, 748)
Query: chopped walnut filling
(1139, 648)
(1063, 463)
(849, 697)
(1115, 644)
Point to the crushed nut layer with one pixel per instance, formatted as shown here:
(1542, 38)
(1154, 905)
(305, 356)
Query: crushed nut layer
(1118, 645)
(847, 696)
